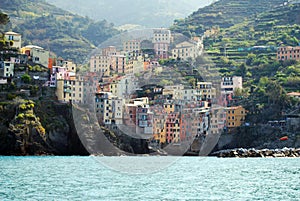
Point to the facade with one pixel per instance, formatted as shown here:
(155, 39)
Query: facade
(132, 46)
(36, 54)
(218, 120)
(288, 53)
(100, 64)
(144, 120)
(206, 90)
(230, 84)
(109, 51)
(119, 64)
(161, 40)
(15, 38)
(109, 108)
(235, 116)
(70, 90)
(71, 67)
(173, 128)
(7, 69)
(185, 50)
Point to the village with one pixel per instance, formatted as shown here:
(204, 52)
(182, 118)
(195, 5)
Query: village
(172, 114)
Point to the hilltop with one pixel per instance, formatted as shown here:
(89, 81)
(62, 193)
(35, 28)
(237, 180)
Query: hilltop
(154, 13)
(224, 14)
(68, 35)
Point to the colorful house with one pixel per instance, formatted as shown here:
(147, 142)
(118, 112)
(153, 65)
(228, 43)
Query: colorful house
(235, 116)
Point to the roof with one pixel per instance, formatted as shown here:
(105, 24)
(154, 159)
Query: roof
(34, 46)
(294, 94)
(12, 33)
(233, 108)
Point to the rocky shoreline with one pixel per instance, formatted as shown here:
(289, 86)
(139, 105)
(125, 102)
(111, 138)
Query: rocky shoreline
(262, 153)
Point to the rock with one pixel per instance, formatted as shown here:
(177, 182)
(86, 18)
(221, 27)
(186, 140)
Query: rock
(278, 155)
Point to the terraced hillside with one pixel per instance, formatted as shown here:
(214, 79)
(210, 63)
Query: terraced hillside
(223, 13)
(68, 35)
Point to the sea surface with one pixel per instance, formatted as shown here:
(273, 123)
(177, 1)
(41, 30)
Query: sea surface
(151, 178)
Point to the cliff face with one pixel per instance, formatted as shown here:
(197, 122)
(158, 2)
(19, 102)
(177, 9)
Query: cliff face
(34, 128)
(258, 137)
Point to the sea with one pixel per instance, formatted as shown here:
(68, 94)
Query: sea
(149, 178)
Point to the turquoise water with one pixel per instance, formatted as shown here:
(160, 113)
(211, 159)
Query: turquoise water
(188, 178)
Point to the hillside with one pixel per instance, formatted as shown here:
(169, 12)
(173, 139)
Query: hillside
(68, 35)
(154, 13)
(224, 14)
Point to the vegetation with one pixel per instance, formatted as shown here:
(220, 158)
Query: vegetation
(246, 45)
(67, 35)
(122, 12)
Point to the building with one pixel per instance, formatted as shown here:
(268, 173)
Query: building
(70, 66)
(173, 128)
(217, 120)
(36, 54)
(144, 120)
(15, 38)
(207, 91)
(230, 84)
(119, 65)
(109, 108)
(288, 53)
(294, 94)
(6, 69)
(109, 51)
(70, 90)
(100, 64)
(132, 46)
(187, 49)
(161, 40)
(235, 116)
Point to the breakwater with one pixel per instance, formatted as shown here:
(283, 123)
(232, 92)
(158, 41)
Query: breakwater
(262, 153)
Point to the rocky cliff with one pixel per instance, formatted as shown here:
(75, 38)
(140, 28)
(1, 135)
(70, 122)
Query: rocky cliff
(37, 128)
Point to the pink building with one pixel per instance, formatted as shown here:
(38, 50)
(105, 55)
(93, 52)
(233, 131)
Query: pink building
(288, 53)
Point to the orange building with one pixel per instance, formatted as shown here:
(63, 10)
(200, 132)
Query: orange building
(235, 116)
(288, 53)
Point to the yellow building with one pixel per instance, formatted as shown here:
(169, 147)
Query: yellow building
(169, 107)
(235, 116)
(70, 90)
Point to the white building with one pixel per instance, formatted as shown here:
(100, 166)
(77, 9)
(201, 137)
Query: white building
(187, 49)
(37, 54)
(109, 108)
(7, 69)
(230, 84)
(15, 38)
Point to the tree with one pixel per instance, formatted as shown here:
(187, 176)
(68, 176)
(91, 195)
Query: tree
(4, 19)
(242, 70)
(274, 91)
(26, 78)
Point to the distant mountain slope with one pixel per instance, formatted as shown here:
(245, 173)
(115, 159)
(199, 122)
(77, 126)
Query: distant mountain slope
(224, 13)
(68, 35)
(147, 13)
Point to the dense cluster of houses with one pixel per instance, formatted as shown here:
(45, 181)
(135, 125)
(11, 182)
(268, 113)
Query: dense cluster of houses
(175, 114)
(16, 56)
